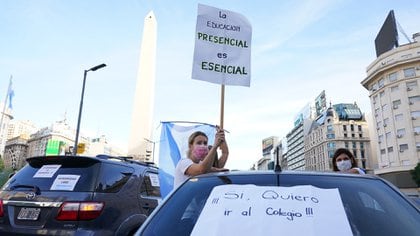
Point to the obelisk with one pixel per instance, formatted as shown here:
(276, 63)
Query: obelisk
(142, 116)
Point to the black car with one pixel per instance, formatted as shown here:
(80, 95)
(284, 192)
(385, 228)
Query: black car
(284, 203)
(78, 195)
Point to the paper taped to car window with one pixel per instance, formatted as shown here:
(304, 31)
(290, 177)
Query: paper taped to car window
(271, 210)
(65, 182)
(47, 171)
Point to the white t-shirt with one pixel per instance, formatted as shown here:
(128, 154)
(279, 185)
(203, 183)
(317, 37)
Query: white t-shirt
(180, 169)
(359, 170)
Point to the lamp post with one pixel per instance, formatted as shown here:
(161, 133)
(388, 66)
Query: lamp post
(76, 142)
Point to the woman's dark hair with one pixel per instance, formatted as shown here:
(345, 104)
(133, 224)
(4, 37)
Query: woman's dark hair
(340, 151)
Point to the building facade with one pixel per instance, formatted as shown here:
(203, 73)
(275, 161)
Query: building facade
(19, 128)
(393, 83)
(15, 152)
(340, 126)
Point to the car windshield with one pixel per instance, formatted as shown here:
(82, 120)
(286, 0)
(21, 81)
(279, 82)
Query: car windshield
(369, 203)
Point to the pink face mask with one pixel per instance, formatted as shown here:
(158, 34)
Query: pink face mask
(200, 152)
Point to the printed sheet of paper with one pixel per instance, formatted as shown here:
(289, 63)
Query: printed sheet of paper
(154, 179)
(270, 210)
(65, 182)
(46, 171)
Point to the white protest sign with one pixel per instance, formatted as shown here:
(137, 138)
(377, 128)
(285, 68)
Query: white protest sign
(65, 182)
(271, 210)
(222, 53)
(46, 171)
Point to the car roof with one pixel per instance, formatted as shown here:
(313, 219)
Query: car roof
(288, 172)
(96, 159)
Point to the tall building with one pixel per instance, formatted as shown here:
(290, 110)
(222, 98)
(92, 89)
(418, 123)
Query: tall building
(393, 82)
(295, 158)
(340, 126)
(5, 117)
(18, 128)
(141, 123)
(269, 151)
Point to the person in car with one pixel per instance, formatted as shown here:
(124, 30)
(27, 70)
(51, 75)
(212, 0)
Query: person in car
(344, 161)
(200, 158)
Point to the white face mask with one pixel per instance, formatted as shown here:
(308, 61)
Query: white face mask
(344, 165)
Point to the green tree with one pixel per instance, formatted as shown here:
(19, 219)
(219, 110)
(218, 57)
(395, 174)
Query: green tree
(416, 174)
(1, 164)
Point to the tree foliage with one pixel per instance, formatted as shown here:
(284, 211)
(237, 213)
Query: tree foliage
(416, 174)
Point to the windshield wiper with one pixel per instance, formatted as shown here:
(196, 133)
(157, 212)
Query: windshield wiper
(32, 187)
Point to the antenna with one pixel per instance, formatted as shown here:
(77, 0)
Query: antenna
(402, 31)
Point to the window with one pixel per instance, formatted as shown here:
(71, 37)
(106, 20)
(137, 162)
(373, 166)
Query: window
(409, 72)
(418, 146)
(374, 87)
(345, 135)
(346, 145)
(361, 145)
(352, 135)
(331, 145)
(415, 114)
(388, 135)
(329, 128)
(401, 133)
(380, 138)
(392, 77)
(359, 127)
(413, 100)
(113, 177)
(383, 151)
(148, 187)
(360, 135)
(375, 99)
(381, 94)
(398, 117)
(403, 147)
(411, 85)
(394, 88)
(353, 144)
(390, 149)
(345, 127)
(381, 83)
(386, 122)
(352, 127)
(417, 129)
(396, 103)
(330, 136)
(376, 112)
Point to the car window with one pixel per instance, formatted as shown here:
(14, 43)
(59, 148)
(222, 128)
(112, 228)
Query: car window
(25, 177)
(371, 206)
(150, 186)
(113, 177)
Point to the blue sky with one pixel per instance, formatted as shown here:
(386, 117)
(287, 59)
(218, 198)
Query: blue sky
(299, 48)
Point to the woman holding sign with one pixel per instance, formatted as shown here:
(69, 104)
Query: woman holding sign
(200, 158)
(344, 161)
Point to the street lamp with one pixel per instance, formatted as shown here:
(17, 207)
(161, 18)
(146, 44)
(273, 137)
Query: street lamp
(81, 105)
